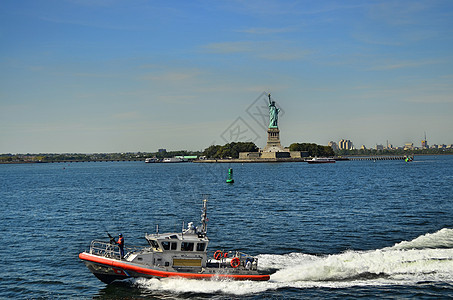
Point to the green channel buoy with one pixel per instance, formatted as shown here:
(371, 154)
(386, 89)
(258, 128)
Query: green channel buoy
(409, 158)
(230, 176)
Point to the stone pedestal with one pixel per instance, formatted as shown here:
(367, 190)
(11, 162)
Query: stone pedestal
(273, 141)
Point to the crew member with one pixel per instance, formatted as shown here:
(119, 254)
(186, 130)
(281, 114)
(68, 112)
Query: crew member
(121, 245)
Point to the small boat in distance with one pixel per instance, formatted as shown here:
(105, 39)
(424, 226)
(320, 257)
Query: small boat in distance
(174, 160)
(321, 160)
(182, 254)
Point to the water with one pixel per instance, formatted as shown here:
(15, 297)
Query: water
(351, 229)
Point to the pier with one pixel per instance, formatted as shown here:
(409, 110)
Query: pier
(261, 160)
(380, 157)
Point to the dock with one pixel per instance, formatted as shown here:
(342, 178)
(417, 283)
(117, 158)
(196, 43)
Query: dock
(378, 157)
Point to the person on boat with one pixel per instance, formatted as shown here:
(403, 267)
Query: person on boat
(121, 245)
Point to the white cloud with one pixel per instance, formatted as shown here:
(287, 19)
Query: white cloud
(229, 47)
(266, 30)
(404, 64)
(285, 56)
(268, 50)
(172, 74)
(125, 116)
(398, 12)
(430, 99)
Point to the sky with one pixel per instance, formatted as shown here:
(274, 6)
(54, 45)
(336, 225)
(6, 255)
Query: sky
(91, 76)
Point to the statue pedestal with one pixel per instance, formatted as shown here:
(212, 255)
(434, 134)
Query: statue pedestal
(273, 141)
(273, 147)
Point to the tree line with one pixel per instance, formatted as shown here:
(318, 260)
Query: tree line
(231, 150)
(312, 149)
(57, 157)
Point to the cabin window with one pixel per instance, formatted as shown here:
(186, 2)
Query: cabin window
(201, 246)
(154, 244)
(185, 246)
(169, 245)
(165, 245)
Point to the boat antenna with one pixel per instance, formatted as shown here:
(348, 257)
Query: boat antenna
(204, 215)
(182, 230)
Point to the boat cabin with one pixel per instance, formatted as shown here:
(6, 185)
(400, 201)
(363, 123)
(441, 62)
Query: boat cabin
(184, 251)
(177, 242)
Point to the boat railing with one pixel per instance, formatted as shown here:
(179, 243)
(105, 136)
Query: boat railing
(110, 250)
(246, 261)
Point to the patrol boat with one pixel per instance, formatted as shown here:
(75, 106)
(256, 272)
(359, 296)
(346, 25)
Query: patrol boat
(182, 254)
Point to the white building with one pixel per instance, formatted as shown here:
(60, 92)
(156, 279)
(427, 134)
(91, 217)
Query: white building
(345, 144)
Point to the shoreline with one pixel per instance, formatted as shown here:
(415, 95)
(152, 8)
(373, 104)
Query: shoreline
(233, 160)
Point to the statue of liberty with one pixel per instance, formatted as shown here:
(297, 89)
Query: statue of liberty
(273, 113)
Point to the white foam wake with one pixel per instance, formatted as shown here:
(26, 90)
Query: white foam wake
(440, 239)
(428, 258)
(181, 285)
(410, 266)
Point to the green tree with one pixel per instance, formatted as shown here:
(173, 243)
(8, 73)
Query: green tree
(312, 149)
(211, 151)
(229, 150)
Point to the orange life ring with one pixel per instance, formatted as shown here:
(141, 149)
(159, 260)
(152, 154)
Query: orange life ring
(235, 262)
(218, 254)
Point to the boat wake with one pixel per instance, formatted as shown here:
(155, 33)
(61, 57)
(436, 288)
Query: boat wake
(426, 259)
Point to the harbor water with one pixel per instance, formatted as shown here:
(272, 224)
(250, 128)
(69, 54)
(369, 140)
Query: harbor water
(352, 229)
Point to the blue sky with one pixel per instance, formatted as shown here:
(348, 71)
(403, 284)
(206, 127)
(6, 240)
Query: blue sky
(125, 76)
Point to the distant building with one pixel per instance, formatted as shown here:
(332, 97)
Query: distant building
(379, 147)
(388, 146)
(441, 146)
(345, 145)
(162, 150)
(425, 144)
(333, 145)
(409, 146)
(363, 147)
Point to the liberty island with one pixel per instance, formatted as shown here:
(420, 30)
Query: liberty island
(273, 151)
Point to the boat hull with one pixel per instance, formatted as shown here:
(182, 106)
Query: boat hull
(107, 270)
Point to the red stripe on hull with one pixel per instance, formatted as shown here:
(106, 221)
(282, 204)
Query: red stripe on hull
(157, 273)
